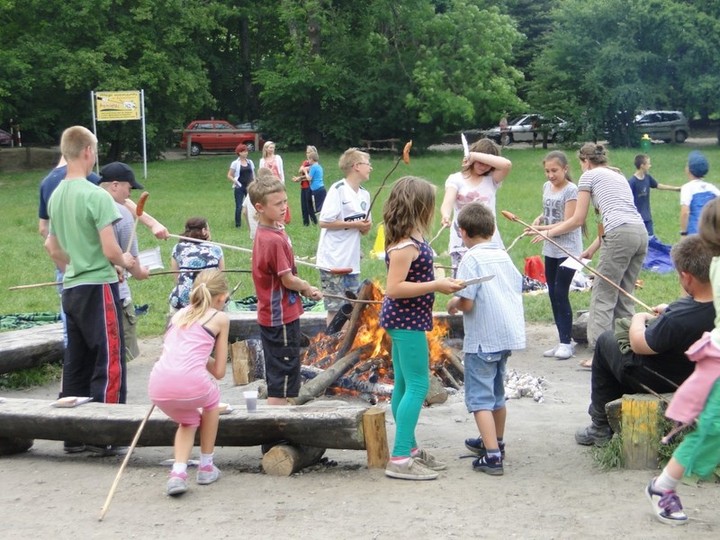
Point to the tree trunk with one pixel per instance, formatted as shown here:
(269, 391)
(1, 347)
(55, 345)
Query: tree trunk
(284, 460)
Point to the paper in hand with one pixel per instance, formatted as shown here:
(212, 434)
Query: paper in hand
(473, 281)
(575, 265)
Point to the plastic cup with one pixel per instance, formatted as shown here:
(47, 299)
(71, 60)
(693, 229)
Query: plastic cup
(251, 400)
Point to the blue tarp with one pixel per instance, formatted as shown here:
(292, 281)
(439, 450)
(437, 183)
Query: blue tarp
(658, 257)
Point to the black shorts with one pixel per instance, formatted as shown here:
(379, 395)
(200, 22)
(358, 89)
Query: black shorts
(281, 347)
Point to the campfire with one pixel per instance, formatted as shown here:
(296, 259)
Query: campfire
(362, 355)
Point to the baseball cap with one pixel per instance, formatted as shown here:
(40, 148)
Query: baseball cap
(119, 172)
(698, 164)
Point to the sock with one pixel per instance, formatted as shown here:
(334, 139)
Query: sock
(494, 455)
(402, 460)
(665, 482)
(179, 468)
(206, 459)
(414, 452)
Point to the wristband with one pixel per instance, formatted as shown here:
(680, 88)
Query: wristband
(683, 233)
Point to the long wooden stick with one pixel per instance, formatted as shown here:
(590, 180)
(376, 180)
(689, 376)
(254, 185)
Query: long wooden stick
(515, 242)
(442, 228)
(513, 217)
(351, 300)
(125, 462)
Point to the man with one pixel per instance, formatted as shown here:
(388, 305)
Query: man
(82, 243)
(118, 179)
(657, 359)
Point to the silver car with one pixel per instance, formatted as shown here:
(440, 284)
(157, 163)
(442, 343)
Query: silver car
(668, 126)
(527, 127)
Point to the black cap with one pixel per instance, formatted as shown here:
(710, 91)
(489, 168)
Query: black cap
(119, 172)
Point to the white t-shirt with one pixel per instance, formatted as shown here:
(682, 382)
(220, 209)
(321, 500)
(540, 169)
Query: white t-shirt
(484, 192)
(251, 217)
(340, 248)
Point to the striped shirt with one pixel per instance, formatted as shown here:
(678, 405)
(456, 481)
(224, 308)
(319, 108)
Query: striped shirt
(554, 212)
(496, 321)
(611, 194)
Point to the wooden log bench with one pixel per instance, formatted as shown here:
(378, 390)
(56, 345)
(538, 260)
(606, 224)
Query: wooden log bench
(380, 145)
(639, 419)
(30, 347)
(322, 424)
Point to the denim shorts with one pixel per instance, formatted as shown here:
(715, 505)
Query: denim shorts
(337, 284)
(484, 380)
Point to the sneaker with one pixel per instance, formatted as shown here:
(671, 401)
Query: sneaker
(593, 435)
(177, 484)
(410, 470)
(106, 450)
(666, 505)
(564, 351)
(476, 446)
(73, 447)
(488, 465)
(551, 352)
(207, 475)
(426, 459)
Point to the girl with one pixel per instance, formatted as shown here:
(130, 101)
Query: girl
(697, 399)
(189, 258)
(483, 170)
(274, 162)
(407, 314)
(183, 381)
(559, 202)
(240, 174)
(306, 196)
(623, 234)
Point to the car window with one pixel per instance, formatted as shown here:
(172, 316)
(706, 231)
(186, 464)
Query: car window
(203, 125)
(222, 125)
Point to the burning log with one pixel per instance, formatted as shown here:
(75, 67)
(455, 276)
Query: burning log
(284, 459)
(366, 293)
(351, 382)
(320, 384)
(448, 379)
(457, 363)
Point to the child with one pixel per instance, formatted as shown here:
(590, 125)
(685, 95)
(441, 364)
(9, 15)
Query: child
(483, 170)
(640, 184)
(182, 382)
(189, 258)
(317, 186)
(407, 314)
(306, 196)
(276, 285)
(491, 332)
(697, 399)
(559, 201)
(696, 193)
(343, 220)
(240, 174)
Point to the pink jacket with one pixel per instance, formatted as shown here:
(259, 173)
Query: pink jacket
(690, 398)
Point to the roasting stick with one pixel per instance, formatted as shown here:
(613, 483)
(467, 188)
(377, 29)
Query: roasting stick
(124, 463)
(353, 300)
(248, 250)
(138, 212)
(438, 234)
(515, 242)
(513, 217)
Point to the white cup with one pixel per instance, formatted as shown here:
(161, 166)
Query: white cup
(251, 400)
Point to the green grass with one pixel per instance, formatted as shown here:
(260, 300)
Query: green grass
(183, 188)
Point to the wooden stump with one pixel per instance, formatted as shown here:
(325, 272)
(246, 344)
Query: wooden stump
(284, 459)
(240, 356)
(375, 435)
(641, 430)
(13, 445)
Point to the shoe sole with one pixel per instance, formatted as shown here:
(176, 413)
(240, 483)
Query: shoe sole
(662, 519)
(489, 470)
(177, 491)
(406, 476)
(592, 442)
(436, 467)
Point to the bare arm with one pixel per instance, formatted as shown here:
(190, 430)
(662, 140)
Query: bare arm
(458, 303)
(362, 225)
(158, 229)
(576, 220)
(638, 325)
(138, 271)
(218, 362)
(684, 216)
(295, 283)
(397, 286)
(56, 252)
(500, 164)
(668, 187)
(447, 205)
(44, 227)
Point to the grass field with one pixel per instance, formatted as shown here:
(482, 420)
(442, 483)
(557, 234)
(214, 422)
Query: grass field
(197, 187)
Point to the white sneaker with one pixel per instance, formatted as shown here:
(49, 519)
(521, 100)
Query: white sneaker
(551, 352)
(564, 351)
(410, 470)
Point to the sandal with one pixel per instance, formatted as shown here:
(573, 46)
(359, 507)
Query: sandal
(586, 364)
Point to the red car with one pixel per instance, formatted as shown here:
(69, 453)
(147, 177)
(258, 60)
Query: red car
(221, 135)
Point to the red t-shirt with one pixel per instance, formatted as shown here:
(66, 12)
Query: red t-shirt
(273, 257)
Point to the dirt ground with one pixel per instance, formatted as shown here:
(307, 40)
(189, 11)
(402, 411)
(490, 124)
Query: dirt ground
(551, 487)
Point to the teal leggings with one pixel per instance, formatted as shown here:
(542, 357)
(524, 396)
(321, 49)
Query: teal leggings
(412, 380)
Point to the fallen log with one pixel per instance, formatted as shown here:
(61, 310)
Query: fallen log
(31, 347)
(284, 459)
(319, 384)
(351, 382)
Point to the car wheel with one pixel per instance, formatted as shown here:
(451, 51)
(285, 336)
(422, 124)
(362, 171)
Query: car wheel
(680, 136)
(195, 149)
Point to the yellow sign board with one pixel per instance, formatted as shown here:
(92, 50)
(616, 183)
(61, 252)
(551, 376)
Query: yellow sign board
(117, 105)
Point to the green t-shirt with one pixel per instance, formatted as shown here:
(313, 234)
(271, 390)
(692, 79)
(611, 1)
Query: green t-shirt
(78, 210)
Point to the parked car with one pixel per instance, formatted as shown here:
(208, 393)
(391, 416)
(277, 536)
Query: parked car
(5, 138)
(220, 135)
(668, 126)
(520, 129)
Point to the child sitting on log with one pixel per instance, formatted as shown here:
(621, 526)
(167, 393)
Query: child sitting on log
(183, 381)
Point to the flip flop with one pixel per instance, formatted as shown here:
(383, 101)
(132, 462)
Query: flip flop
(586, 364)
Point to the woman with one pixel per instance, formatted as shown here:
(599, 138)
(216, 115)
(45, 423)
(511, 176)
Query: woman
(274, 162)
(621, 234)
(240, 174)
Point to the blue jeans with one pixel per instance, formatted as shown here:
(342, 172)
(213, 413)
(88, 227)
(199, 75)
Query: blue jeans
(558, 280)
(239, 193)
(484, 380)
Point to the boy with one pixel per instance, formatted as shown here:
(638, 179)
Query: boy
(343, 220)
(118, 179)
(276, 285)
(695, 194)
(640, 184)
(82, 243)
(494, 326)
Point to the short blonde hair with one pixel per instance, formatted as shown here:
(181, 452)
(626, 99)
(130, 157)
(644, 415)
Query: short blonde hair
(74, 140)
(261, 187)
(350, 158)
